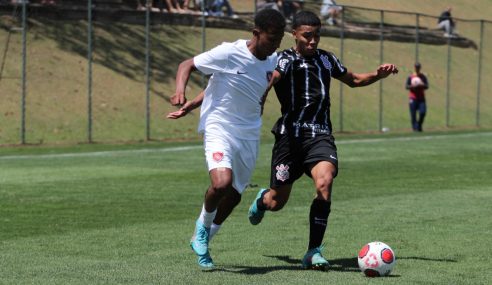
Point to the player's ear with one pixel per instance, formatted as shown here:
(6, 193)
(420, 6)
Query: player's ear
(256, 32)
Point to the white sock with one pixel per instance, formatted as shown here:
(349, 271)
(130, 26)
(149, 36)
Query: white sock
(213, 230)
(207, 218)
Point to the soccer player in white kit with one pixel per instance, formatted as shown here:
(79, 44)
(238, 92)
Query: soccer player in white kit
(230, 118)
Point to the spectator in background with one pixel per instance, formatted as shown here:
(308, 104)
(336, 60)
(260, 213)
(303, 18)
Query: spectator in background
(290, 8)
(218, 6)
(185, 6)
(151, 5)
(447, 23)
(416, 84)
(330, 12)
(269, 4)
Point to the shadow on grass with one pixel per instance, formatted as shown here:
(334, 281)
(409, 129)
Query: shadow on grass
(343, 265)
(426, 259)
(339, 265)
(122, 47)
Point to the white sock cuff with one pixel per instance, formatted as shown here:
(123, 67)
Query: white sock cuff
(207, 218)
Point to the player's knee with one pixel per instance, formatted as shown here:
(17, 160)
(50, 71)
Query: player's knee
(221, 187)
(323, 187)
(323, 184)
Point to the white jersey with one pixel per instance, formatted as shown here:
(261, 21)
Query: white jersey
(233, 95)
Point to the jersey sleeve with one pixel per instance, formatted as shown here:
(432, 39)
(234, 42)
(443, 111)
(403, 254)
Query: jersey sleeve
(424, 79)
(408, 83)
(338, 69)
(284, 61)
(214, 60)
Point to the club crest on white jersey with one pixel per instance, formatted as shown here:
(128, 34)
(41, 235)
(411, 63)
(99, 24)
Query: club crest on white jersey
(217, 156)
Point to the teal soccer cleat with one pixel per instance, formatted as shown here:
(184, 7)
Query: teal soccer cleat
(314, 260)
(199, 244)
(255, 215)
(205, 261)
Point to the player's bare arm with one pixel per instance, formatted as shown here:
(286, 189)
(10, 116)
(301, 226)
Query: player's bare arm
(187, 107)
(184, 70)
(275, 78)
(364, 79)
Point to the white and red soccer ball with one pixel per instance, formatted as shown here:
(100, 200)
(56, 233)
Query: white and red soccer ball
(376, 259)
(416, 81)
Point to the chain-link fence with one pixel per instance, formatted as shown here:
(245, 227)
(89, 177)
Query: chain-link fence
(85, 72)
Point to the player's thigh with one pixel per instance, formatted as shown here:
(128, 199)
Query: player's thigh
(245, 153)
(218, 155)
(286, 164)
(320, 149)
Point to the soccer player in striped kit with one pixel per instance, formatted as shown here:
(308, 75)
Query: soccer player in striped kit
(304, 141)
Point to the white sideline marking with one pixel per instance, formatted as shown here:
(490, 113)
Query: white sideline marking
(184, 148)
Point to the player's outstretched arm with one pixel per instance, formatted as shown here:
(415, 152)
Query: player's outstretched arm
(187, 107)
(364, 79)
(182, 75)
(275, 78)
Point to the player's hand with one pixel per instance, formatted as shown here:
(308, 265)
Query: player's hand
(181, 112)
(178, 99)
(177, 114)
(384, 70)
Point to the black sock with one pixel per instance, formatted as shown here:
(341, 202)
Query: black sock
(318, 220)
(259, 202)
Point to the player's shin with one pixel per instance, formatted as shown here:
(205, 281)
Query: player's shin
(318, 220)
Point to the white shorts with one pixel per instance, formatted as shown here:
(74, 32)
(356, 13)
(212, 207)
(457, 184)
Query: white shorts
(222, 150)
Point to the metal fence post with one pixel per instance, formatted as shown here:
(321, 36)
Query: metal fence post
(381, 58)
(203, 38)
(479, 78)
(24, 59)
(448, 74)
(342, 24)
(147, 69)
(89, 72)
(417, 35)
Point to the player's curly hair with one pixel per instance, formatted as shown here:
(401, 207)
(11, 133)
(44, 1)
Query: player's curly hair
(305, 18)
(269, 20)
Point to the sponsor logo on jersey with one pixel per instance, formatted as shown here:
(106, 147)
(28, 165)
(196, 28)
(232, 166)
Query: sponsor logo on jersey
(217, 156)
(282, 172)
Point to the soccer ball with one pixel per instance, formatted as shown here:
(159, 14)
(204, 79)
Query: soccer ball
(376, 259)
(416, 81)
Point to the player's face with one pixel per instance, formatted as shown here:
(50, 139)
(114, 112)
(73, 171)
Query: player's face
(268, 42)
(307, 39)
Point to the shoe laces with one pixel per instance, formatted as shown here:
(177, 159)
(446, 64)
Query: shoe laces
(202, 234)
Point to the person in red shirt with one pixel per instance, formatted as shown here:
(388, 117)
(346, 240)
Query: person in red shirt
(416, 84)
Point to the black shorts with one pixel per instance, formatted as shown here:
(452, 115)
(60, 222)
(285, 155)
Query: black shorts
(291, 157)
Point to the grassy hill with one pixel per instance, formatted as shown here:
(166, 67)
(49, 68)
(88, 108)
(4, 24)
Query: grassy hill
(56, 103)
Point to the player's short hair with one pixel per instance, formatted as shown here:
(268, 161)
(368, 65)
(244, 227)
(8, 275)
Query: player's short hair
(269, 20)
(306, 18)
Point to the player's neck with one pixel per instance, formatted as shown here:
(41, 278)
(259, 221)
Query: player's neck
(253, 48)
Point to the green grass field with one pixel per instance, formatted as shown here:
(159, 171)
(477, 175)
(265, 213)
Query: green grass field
(106, 214)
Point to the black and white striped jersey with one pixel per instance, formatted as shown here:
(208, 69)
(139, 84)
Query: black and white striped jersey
(304, 92)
